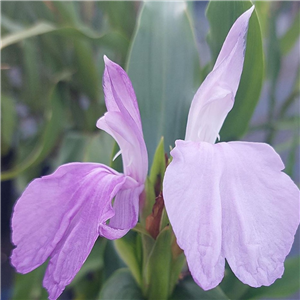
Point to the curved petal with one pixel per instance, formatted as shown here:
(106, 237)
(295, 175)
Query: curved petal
(126, 128)
(195, 211)
(259, 207)
(126, 216)
(119, 93)
(59, 215)
(260, 212)
(132, 145)
(215, 97)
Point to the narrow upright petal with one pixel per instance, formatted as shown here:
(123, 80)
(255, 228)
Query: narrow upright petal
(59, 216)
(122, 121)
(215, 97)
(231, 200)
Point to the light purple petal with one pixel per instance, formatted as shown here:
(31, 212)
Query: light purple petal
(132, 145)
(193, 205)
(231, 200)
(126, 216)
(59, 216)
(119, 93)
(123, 120)
(215, 97)
(260, 211)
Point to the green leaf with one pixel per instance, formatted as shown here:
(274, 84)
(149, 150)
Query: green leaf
(283, 287)
(48, 138)
(83, 147)
(221, 16)
(29, 286)
(121, 15)
(121, 285)
(263, 12)
(8, 123)
(111, 39)
(291, 36)
(129, 249)
(157, 269)
(27, 33)
(163, 66)
(158, 167)
(188, 289)
(153, 184)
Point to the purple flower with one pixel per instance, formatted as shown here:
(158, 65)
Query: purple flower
(229, 200)
(61, 215)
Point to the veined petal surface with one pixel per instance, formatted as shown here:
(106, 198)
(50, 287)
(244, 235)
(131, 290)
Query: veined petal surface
(59, 216)
(231, 200)
(123, 122)
(193, 204)
(215, 97)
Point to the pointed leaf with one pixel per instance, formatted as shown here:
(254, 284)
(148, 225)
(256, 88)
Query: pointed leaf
(158, 267)
(163, 65)
(8, 122)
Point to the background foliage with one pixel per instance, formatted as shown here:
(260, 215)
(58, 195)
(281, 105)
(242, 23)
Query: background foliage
(52, 65)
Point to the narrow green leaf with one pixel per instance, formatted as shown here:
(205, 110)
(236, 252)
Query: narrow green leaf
(32, 78)
(121, 285)
(221, 16)
(48, 139)
(163, 66)
(291, 36)
(263, 13)
(8, 123)
(111, 39)
(154, 182)
(27, 33)
(158, 267)
(188, 289)
(283, 287)
(158, 167)
(128, 249)
(87, 73)
(121, 15)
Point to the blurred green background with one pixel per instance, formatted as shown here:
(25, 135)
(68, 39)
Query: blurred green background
(51, 97)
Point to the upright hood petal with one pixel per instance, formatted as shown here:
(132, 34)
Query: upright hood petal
(215, 97)
(122, 121)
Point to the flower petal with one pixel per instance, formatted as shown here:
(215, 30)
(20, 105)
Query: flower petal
(119, 93)
(123, 120)
(193, 204)
(59, 215)
(215, 97)
(259, 207)
(260, 212)
(132, 145)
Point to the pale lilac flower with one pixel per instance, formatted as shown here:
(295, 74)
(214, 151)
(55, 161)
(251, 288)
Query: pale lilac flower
(61, 215)
(229, 200)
